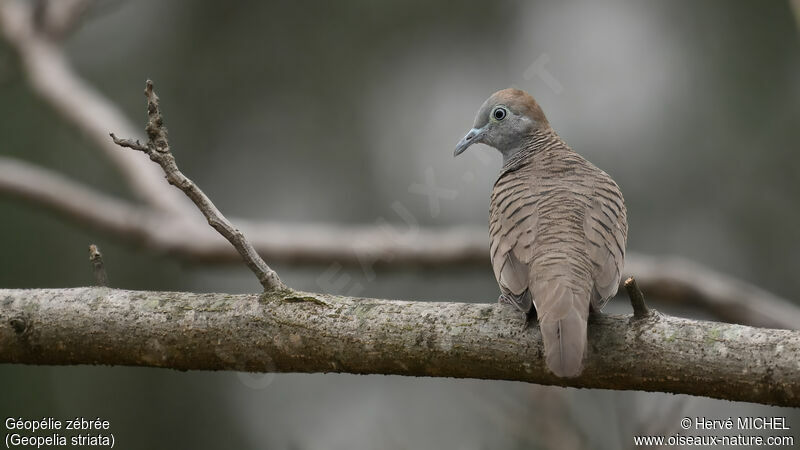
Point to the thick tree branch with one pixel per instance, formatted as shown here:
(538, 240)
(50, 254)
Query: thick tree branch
(301, 332)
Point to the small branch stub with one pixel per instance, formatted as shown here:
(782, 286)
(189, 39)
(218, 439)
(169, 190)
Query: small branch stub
(96, 258)
(129, 143)
(640, 309)
(157, 148)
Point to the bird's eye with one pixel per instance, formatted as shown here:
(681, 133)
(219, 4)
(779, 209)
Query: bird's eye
(499, 113)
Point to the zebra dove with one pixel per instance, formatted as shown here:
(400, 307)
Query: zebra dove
(557, 226)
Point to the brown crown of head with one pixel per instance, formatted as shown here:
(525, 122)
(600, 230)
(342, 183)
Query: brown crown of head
(517, 101)
(504, 121)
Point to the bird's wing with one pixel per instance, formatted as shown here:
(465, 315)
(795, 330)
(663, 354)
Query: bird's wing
(606, 230)
(519, 205)
(513, 219)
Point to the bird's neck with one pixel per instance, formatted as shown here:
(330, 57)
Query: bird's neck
(538, 141)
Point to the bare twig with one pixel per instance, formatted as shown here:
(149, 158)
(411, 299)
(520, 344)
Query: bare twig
(182, 330)
(157, 148)
(54, 80)
(640, 310)
(96, 258)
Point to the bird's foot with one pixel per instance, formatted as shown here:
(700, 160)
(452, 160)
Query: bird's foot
(504, 299)
(594, 311)
(530, 317)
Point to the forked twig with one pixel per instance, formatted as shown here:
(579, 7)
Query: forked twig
(157, 148)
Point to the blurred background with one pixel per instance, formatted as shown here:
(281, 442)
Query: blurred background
(335, 111)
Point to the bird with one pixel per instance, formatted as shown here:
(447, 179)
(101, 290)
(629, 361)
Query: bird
(557, 226)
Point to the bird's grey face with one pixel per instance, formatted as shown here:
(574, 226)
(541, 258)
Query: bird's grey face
(497, 125)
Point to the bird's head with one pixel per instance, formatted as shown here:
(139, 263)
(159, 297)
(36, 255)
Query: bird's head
(504, 122)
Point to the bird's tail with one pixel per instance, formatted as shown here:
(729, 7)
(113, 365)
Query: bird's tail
(562, 319)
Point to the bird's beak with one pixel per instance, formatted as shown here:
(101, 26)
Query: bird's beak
(471, 137)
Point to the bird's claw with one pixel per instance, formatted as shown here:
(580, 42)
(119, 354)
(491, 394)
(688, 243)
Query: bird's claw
(530, 316)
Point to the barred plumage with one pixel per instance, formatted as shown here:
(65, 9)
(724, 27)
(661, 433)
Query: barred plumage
(557, 228)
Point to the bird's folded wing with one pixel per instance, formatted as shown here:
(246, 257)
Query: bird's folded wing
(512, 230)
(606, 229)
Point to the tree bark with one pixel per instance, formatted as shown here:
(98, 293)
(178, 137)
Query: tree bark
(289, 331)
